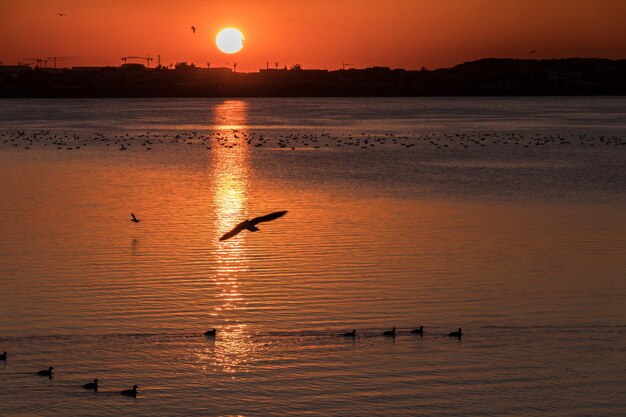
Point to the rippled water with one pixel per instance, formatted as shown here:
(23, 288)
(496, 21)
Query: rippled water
(505, 217)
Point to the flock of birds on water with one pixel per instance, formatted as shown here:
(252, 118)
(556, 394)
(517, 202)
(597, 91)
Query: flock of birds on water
(232, 138)
(250, 225)
(93, 386)
(235, 137)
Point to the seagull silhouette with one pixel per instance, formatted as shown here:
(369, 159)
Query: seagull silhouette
(193, 29)
(134, 219)
(61, 14)
(250, 225)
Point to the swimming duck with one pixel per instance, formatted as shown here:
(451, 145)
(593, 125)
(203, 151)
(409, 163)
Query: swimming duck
(3, 357)
(92, 385)
(391, 332)
(46, 372)
(130, 392)
(350, 334)
(418, 331)
(456, 334)
(210, 333)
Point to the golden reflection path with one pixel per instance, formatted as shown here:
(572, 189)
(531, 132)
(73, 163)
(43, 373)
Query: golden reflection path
(231, 176)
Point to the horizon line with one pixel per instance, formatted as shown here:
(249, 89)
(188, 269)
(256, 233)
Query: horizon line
(292, 67)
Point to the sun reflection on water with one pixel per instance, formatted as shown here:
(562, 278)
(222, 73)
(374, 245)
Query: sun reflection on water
(231, 174)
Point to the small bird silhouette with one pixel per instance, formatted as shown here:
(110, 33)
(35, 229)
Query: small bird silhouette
(250, 225)
(458, 334)
(92, 385)
(61, 14)
(532, 52)
(46, 372)
(3, 357)
(130, 392)
(193, 29)
(418, 331)
(350, 334)
(210, 333)
(134, 219)
(391, 332)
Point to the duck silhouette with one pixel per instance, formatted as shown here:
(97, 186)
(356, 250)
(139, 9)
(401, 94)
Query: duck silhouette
(391, 332)
(46, 372)
(350, 334)
(3, 357)
(92, 385)
(419, 331)
(458, 334)
(250, 225)
(210, 333)
(130, 392)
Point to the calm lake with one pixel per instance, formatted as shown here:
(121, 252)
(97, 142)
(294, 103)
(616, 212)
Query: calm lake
(503, 216)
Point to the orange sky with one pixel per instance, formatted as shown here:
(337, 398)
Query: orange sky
(315, 34)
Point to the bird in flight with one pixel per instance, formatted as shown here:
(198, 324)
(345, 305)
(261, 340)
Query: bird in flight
(532, 52)
(61, 14)
(193, 29)
(250, 225)
(133, 218)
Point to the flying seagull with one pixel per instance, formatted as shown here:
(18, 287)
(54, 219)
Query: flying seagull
(134, 219)
(61, 14)
(193, 29)
(250, 225)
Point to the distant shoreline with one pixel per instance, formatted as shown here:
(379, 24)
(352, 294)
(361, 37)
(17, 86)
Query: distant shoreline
(482, 78)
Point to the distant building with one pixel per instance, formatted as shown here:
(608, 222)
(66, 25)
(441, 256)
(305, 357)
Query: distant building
(133, 67)
(86, 69)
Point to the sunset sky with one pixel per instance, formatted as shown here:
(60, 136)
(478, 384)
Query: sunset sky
(313, 33)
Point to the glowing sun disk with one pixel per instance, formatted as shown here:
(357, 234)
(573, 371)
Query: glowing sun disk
(229, 40)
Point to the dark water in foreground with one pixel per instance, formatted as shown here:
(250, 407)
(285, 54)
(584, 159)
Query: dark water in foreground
(505, 217)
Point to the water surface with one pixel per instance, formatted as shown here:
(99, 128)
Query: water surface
(501, 216)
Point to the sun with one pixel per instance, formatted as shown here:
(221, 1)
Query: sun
(229, 40)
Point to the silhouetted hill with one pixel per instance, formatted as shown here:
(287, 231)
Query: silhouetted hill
(575, 76)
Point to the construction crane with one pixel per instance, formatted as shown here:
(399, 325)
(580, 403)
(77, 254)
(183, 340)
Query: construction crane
(147, 58)
(60, 58)
(38, 61)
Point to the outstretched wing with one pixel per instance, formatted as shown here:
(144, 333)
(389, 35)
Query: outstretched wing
(133, 216)
(268, 217)
(235, 231)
